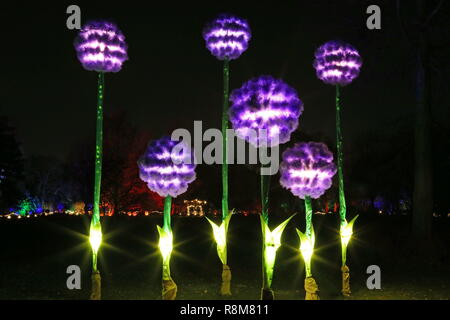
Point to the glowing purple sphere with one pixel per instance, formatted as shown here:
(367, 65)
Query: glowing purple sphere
(167, 170)
(101, 47)
(307, 169)
(337, 62)
(265, 111)
(227, 36)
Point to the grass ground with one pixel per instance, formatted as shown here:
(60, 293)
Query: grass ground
(35, 253)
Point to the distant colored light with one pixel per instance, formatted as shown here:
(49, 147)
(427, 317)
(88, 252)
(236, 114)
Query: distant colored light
(268, 104)
(165, 169)
(307, 169)
(337, 62)
(227, 36)
(101, 47)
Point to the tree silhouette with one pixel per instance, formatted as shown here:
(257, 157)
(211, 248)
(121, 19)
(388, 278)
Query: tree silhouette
(11, 166)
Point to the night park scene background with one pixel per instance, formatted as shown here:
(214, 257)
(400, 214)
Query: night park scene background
(265, 150)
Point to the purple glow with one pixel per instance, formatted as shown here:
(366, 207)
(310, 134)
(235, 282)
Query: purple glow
(227, 36)
(101, 47)
(337, 62)
(265, 103)
(307, 169)
(166, 170)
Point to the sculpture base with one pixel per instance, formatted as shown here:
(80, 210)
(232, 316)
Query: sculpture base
(169, 290)
(311, 289)
(345, 281)
(225, 289)
(267, 294)
(96, 289)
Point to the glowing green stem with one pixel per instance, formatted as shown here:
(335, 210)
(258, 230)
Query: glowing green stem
(98, 148)
(344, 253)
(166, 238)
(94, 262)
(265, 184)
(98, 158)
(342, 206)
(167, 211)
(308, 216)
(226, 77)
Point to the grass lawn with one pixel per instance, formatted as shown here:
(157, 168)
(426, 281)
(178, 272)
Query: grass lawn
(35, 254)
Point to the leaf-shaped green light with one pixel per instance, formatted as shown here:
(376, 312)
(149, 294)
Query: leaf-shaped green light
(346, 234)
(220, 235)
(347, 231)
(272, 241)
(307, 248)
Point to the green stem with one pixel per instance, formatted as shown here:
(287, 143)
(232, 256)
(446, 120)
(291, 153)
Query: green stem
(344, 254)
(98, 157)
(265, 184)
(167, 229)
(226, 77)
(94, 262)
(342, 206)
(167, 211)
(308, 216)
(98, 149)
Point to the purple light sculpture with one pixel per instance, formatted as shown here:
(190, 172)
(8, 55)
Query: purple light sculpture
(227, 36)
(265, 103)
(265, 112)
(168, 167)
(307, 169)
(337, 63)
(166, 170)
(101, 47)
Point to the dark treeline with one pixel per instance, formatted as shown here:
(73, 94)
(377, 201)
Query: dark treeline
(39, 182)
(379, 169)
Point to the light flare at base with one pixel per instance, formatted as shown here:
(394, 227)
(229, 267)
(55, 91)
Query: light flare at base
(347, 231)
(95, 236)
(307, 249)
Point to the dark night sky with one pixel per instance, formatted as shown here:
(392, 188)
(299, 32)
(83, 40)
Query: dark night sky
(172, 80)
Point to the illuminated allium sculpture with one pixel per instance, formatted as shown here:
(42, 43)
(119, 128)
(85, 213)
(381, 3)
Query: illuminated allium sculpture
(101, 47)
(306, 170)
(337, 62)
(227, 36)
(265, 103)
(264, 112)
(167, 167)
